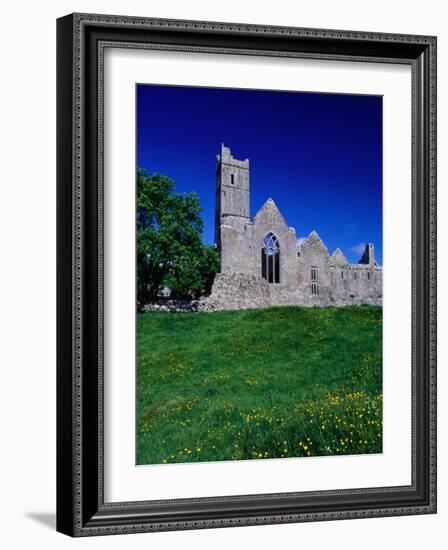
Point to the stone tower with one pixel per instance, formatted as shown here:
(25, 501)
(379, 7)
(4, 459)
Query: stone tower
(232, 193)
(369, 255)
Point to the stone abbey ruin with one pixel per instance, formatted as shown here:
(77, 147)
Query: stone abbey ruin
(262, 262)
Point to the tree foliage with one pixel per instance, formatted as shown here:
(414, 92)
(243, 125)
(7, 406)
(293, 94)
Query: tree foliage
(170, 251)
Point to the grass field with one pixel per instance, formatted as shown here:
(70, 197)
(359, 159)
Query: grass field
(262, 383)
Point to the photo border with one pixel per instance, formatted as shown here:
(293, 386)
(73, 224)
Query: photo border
(123, 481)
(81, 510)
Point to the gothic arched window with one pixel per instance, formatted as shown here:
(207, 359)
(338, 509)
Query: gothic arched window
(270, 259)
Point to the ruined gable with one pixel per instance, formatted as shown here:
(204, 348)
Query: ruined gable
(338, 259)
(269, 215)
(313, 250)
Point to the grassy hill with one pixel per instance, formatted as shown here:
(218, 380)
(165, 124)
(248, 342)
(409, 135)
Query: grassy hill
(262, 383)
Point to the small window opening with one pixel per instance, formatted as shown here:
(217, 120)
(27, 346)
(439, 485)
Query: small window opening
(314, 279)
(232, 178)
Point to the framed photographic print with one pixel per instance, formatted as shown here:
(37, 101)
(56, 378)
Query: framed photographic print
(246, 274)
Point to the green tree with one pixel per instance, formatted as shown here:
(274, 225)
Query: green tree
(170, 251)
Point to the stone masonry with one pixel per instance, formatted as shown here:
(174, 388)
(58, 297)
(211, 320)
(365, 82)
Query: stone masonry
(262, 262)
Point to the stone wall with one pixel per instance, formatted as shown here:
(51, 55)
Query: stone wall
(173, 306)
(241, 291)
(238, 291)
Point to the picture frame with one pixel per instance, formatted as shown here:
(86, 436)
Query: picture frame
(81, 506)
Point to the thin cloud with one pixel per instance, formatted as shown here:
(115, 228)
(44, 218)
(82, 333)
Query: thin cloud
(358, 249)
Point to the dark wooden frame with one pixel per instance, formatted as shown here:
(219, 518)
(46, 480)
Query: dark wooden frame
(81, 509)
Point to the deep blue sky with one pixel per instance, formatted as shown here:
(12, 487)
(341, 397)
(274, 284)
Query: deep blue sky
(319, 156)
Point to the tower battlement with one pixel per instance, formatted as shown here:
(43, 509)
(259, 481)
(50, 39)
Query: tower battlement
(232, 192)
(225, 157)
(368, 256)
